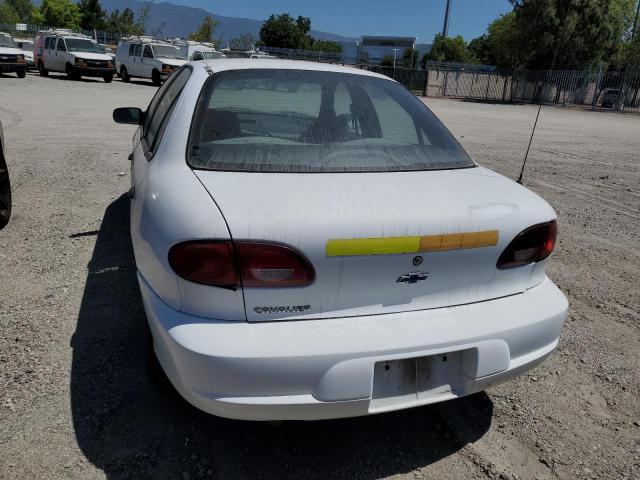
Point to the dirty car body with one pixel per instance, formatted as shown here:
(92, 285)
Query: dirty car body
(312, 243)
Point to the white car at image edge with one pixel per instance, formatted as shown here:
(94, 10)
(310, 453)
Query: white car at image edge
(312, 242)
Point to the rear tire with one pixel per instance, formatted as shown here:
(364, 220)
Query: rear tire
(41, 70)
(22, 74)
(108, 78)
(125, 75)
(155, 78)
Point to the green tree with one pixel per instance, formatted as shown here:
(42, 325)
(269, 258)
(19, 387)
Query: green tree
(303, 27)
(480, 50)
(284, 32)
(364, 57)
(60, 13)
(205, 31)
(123, 22)
(629, 55)
(8, 14)
(410, 58)
(570, 33)
(502, 37)
(93, 16)
(326, 46)
(448, 49)
(24, 9)
(387, 61)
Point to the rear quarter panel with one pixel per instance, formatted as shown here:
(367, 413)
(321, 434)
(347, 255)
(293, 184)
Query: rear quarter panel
(172, 206)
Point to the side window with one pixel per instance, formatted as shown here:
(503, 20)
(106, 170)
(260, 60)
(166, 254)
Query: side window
(132, 49)
(46, 43)
(137, 50)
(147, 52)
(61, 47)
(157, 118)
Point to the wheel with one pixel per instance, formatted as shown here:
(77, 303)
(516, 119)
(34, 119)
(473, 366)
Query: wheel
(71, 74)
(43, 71)
(108, 78)
(125, 75)
(22, 74)
(155, 78)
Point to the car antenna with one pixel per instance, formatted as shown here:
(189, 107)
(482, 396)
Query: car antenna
(526, 155)
(535, 124)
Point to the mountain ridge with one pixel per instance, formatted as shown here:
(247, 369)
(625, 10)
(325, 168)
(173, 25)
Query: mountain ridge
(173, 20)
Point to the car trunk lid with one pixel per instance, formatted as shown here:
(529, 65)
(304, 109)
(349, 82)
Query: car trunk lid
(381, 242)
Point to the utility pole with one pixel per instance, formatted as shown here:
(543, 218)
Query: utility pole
(445, 27)
(395, 53)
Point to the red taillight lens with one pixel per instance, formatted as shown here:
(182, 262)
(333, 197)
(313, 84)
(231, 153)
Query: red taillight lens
(261, 264)
(532, 245)
(264, 264)
(205, 262)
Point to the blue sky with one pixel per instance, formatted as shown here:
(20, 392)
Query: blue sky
(353, 18)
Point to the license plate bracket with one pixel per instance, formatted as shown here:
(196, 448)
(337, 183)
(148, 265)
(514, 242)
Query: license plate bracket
(415, 380)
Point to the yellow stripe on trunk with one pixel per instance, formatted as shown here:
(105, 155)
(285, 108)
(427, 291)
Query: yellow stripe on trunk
(395, 245)
(372, 246)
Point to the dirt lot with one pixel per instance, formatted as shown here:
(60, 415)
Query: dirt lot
(75, 400)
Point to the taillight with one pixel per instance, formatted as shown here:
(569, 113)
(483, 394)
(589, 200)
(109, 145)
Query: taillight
(264, 264)
(224, 263)
(206, 262)
(532, 245)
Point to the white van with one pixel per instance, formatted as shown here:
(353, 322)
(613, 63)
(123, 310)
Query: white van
(198, 50)
(11, 57)
(27, 50)
(144, 57)
(71, 53)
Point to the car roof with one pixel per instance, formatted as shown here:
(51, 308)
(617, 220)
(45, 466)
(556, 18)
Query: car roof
(224, 64)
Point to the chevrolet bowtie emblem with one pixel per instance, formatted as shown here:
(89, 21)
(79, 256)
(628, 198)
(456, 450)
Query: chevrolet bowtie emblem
(413, 277)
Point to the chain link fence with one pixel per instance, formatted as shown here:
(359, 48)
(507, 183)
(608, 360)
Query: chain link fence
(609, 90)
(29, 30)
(595, 89)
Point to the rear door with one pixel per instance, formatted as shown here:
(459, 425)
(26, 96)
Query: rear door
(151, 132)
(60, 56)
(50, 53)
(136, 69)
(146, 62)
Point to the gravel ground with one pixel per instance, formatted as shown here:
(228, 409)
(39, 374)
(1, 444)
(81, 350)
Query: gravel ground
(75, 399)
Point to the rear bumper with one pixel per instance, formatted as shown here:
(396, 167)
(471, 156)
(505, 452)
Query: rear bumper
(318, 369)
(13, 67)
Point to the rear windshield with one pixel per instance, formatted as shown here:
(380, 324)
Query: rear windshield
(266, 120)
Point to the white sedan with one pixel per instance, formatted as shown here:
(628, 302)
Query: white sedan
(312, 242)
